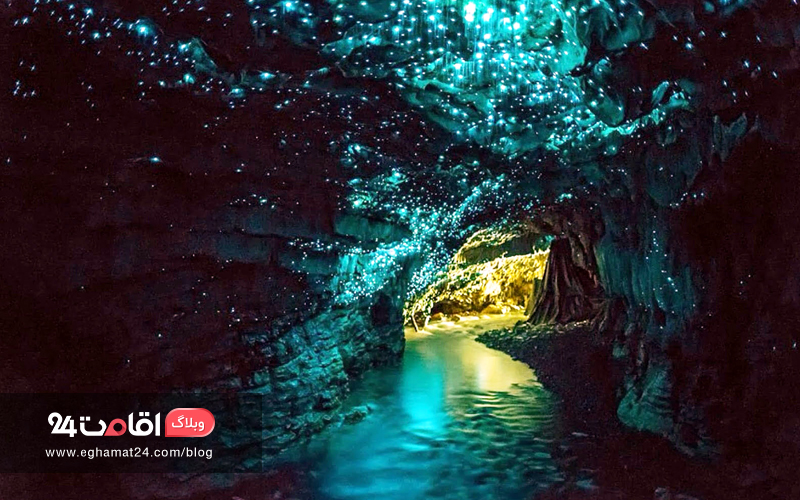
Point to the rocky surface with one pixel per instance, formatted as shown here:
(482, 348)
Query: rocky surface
(164, 245)
(568, 292)
(496, 271)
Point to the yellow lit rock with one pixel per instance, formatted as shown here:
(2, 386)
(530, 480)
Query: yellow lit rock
(498, 286)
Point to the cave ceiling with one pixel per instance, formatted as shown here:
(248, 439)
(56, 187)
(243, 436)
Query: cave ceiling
(436, 115)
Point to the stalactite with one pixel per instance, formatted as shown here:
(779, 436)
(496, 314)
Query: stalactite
(568, 292)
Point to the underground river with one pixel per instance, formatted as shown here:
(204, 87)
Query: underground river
(453, 420)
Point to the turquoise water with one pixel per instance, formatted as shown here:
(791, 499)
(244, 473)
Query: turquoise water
(455, 420)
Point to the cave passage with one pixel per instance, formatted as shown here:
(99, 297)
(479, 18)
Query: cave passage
(320, 206)
(454, 420)
(498, 270)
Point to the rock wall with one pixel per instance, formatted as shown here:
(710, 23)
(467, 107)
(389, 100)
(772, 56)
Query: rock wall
(691, 287)
(706, 342)
(178, 243)
(569, 292)
(697, 219)
(140, 288)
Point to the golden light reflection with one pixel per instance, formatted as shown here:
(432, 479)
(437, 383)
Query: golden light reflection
(471, 364)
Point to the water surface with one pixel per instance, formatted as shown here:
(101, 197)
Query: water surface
(455, 420)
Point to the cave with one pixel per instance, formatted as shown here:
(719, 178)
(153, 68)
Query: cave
(417, 249)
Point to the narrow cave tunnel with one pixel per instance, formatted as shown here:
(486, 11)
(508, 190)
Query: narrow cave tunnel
(429, 249)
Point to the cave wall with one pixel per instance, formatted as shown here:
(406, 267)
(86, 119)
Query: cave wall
(177, 243)
(689, 285)
(702, 265)
(139, 287)
(697, 219)
(495, 271)
(568, 291)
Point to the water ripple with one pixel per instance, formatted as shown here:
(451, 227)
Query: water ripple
(456, 420)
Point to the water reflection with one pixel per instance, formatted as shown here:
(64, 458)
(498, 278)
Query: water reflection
(455, 420)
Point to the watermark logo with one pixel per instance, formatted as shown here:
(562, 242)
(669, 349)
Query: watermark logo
(180, 422)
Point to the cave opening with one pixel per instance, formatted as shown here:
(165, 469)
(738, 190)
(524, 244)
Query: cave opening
(496, 271)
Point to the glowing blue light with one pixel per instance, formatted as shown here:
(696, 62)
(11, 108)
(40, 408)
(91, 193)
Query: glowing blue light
(142, 28)
(469, 12)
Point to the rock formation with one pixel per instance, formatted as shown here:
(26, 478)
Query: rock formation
(494, 272)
